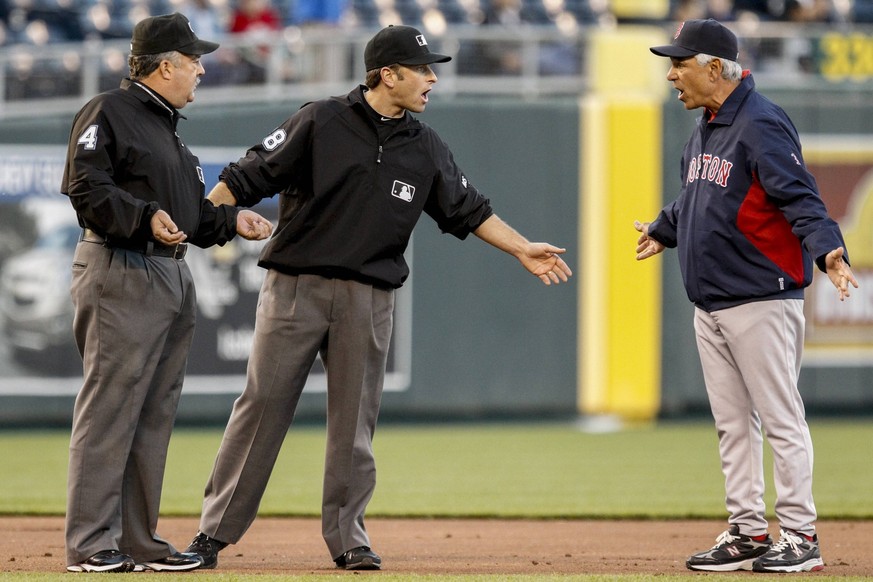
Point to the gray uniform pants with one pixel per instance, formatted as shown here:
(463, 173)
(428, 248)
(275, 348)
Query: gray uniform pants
(751, 356)
(350, 324)
(134, 321)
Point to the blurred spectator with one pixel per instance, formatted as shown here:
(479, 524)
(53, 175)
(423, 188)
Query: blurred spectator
(40, 22)
(862, 11)
(790, 10)
(721, 10)
(507, 57)
(504, 58)
(254, 16)
(761, 9)
(206, 18)
(810, 11)
(317, 12)
(319, 62)
(251, 19)
(211, 20)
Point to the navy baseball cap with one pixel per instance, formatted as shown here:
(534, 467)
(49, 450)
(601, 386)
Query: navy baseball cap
(694, 37)
(402, 45)
(169, 32)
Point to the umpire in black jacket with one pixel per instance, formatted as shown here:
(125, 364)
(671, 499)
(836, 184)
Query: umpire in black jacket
(356, 172)
(138, 192)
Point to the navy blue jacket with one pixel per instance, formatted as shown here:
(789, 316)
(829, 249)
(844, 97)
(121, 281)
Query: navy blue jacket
(749, 220)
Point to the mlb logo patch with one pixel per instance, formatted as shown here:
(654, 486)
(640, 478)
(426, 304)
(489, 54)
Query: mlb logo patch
(403, 191)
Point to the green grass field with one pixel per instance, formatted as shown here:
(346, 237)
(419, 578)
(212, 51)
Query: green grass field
(659, 471)
(664, 470)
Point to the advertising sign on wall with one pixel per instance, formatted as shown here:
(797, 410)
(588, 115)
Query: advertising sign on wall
(38, 236)
(841, 333)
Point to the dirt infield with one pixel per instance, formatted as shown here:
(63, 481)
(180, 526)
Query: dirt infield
(452, 546)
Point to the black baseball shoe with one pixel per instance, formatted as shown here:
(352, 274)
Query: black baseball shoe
(207, 548)
(732, 551)
(105, 561)
(178, 562)
(794, 552)
(360, 558)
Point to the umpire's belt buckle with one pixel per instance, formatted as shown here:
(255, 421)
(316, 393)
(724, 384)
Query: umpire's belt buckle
(180, 251)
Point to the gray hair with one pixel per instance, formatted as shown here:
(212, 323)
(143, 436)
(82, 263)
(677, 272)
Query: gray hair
(730, 70)
(141, 66)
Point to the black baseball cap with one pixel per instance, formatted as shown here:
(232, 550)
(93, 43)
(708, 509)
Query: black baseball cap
(402, 45)
(169, 32)
(694, 37)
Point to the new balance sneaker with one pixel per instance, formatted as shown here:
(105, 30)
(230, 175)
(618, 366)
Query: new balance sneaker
(207, 548)
(732, 551)
(360, 558)
(178, 562)
(794, 552)
(105, 561)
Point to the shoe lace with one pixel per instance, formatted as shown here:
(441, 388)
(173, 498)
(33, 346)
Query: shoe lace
(205, 544)
(725, 538)
(787, 539)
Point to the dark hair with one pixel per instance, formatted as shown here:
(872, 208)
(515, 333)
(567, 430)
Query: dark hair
(374, 76)
(141, 66)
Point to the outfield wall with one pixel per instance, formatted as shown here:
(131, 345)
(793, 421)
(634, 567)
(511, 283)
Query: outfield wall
(477, 337)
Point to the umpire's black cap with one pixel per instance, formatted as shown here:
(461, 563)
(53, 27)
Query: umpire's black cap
(402, 45)
(169, 32)
(708, 37)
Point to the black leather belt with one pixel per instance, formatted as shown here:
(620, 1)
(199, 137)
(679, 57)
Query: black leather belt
(148, 248)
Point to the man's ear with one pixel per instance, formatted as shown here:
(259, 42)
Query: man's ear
(389, 77)
(715, 67)
(166, 69)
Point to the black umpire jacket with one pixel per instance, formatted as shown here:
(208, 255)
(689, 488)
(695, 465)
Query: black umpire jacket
(125, 161)
(349, 201)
